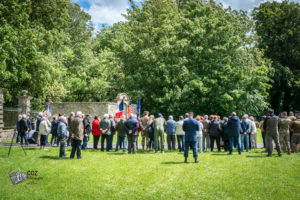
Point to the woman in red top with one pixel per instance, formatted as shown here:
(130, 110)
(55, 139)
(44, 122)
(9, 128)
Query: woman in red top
(96, 131)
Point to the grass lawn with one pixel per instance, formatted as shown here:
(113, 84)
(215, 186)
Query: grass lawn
(101, 175)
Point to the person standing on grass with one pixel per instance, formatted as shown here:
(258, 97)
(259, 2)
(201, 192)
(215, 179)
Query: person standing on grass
(18, 129)
(145, 134)
(112, 131)
(38, 121)
(76, 131)
(70, 118)
(261, 127)
(150, 131)
(206, 139)
(131, 126)
(96, 131)
(62, 135)
(44, 129)
(23, 129)
(190, 126)
(215, 132)
(295, 126)
(284, 132)
(224, 133)
(104, 127)
(87, 130)
(53, 131)
(171, 129)
(199, 134)
(253, 132)
(271, 128)
(159, 125)
(245, 131)
(180, 134)
(234, 129)
(121, 140)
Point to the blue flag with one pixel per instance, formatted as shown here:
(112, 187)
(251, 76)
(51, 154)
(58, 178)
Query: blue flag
(121, 105)
(138, 107)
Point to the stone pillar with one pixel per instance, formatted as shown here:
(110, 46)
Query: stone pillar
(1, 109)
(24, 103)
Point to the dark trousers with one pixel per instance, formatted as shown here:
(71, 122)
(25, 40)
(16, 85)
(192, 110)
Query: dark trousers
(233, 140)
(180, 141)
(105, 137)
(111, 138)
(76, 146)
(226, 145)
(171, 142)
(121, 140)
(55, 139)
(132, 139)
(249, 140)
(96, 141)
(212, 142)
(151, 142)
(19, 136)
(69, 140)
(62, 147)
(23, 135)
(85, 142)
(193, 146)
(264, 138)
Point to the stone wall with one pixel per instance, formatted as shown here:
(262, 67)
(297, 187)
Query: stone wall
(10, 117)
(6, 135)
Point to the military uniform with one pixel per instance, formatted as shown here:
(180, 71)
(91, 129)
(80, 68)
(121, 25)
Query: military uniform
(284, 133)
(295, 126)
(159, 125)
(145, 134)
(271, 130)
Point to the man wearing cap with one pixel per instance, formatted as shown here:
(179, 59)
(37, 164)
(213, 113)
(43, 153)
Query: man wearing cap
(145, 134)
(190, 126)
(295, 126)
(271, 129)
(76, 131)
(159, 125)
(284, 132)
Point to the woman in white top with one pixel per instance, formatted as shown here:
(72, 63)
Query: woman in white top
(180, 134)
(253, 133)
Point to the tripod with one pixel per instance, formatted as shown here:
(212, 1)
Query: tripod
(15, 131)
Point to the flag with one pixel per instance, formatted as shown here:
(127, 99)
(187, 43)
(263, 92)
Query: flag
(119, 114)
(121, 105)
(48, 109)
(138, 107)
(129, 111)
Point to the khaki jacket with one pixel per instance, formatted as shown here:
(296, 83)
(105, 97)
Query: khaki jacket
(76, 128)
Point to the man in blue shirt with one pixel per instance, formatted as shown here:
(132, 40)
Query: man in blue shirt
(62, 133)
(171, 133)
(190, 126)
(245, 131)
(131, 126)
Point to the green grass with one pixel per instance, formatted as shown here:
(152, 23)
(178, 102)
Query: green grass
(101, 175)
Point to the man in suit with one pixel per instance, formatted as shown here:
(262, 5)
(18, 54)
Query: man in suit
(234, 129)
(76, 131)
(131, 126)
(190, 126)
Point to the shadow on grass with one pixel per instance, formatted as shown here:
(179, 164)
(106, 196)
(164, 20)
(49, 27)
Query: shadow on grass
(53, 157)
(172, 163)
(219, 154)
(255, 156)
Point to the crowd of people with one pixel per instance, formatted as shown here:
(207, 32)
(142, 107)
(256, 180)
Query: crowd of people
(197, 133)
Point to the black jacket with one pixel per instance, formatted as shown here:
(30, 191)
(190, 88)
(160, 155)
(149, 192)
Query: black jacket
(23, 125)
(215, 128)
(87, 126)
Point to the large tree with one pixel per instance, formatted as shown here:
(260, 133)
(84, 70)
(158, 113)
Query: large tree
(278, 28)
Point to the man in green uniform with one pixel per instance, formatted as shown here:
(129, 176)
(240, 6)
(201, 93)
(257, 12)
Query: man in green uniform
(295, 126)
(105, 126)
(159, 125)
(145, 134)
(284, 133)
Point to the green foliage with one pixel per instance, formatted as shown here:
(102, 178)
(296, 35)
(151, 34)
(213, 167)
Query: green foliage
(198, 58)
(278, 28)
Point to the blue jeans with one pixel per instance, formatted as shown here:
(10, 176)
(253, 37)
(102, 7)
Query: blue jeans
(76, 146)
(111, 138)
(233, 140)
(85, 142)
(180, 140)
(119, 140)
(151, 141)
(23, 135)
(19, 136)
(244, 140)
(193, 146)
(62, 147)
